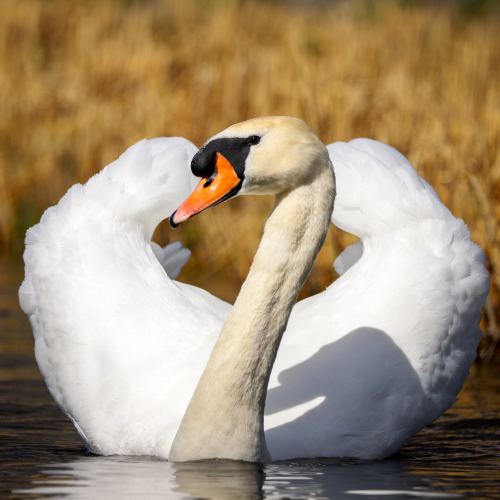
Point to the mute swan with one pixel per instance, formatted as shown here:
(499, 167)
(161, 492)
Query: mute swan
(126, 351)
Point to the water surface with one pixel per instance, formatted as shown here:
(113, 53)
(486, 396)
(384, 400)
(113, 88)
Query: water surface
(41, 455)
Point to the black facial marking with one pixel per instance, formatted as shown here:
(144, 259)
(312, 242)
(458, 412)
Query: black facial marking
(235, 149)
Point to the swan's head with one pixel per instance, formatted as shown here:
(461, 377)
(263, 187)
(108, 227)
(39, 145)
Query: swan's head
(270, 155)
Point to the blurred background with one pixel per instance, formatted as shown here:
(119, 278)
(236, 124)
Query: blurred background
(82, 81)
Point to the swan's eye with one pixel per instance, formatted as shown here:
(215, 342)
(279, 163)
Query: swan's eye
(253, 140)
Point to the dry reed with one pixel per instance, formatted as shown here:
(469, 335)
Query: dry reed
(80, 82)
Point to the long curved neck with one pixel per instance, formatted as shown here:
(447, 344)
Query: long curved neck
(226, 414)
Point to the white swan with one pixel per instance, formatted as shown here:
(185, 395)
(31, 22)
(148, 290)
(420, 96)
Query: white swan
(361, 367)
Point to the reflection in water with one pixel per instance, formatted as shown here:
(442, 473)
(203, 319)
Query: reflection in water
(135, 477)
(42, 455)
(104, 478)
(221, 480)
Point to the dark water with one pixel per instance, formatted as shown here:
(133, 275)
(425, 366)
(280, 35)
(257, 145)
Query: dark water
(41, 455)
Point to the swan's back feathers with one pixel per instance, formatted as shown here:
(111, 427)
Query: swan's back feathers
(172, 257)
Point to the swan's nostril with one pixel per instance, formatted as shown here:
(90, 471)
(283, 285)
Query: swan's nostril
(211, 178)
(172, 222)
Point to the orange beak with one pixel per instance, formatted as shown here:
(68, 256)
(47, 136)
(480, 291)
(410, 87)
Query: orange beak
(213, 189)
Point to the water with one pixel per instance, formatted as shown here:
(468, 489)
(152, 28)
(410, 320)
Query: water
(41, 455)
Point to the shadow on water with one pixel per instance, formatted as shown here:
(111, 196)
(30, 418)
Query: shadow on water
(41, 455)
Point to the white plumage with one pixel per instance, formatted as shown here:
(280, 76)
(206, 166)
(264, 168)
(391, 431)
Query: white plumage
(361, 367)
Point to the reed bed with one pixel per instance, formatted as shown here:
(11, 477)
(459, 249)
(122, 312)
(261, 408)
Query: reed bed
(82, 81)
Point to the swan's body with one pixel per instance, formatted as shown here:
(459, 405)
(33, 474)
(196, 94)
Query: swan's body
(361, 367)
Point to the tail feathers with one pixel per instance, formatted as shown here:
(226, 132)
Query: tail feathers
(348, 258)
(172, 257)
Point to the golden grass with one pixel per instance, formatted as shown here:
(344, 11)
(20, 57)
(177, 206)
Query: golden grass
(82, 81)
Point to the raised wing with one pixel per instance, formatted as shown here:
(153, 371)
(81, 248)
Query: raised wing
(385, 349)
(121, 346)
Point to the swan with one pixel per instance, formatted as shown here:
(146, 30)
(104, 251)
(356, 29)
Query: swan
(146, 365)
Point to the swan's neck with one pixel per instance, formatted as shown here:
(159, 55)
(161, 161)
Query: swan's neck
(226, 414)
